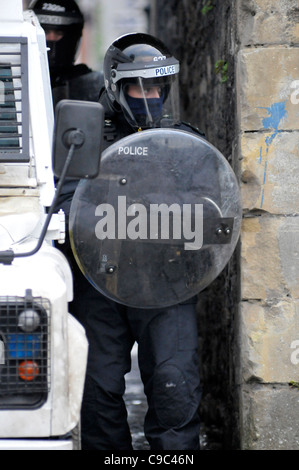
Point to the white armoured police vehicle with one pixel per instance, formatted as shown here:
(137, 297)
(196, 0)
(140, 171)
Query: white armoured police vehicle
(43, 348)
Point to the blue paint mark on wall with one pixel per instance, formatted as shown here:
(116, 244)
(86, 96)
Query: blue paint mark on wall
(276, 112)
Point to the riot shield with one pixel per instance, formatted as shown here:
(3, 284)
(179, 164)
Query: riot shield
(160, 221)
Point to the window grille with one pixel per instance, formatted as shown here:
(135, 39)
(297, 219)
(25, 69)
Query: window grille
(14, 104)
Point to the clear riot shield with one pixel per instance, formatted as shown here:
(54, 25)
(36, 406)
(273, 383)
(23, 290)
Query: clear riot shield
(160, 221)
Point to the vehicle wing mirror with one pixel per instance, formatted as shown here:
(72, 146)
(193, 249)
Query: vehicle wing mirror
(80, 123)
(77, 146)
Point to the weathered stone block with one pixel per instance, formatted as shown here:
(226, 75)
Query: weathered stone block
(267, 89)
(269, 172)
(268, 21)
(269, 341)
(270, 258)
(269, 418)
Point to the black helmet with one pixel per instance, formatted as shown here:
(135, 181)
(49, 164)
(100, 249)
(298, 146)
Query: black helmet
(64, 16)
(144, 62)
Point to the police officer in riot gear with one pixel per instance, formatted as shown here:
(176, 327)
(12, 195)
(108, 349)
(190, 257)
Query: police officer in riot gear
(140, 93)
(63, 23)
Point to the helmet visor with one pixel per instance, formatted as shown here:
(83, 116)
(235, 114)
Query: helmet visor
(150, 102)
(147, 89)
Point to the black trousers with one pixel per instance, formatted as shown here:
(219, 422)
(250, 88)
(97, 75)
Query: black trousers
(168, 362)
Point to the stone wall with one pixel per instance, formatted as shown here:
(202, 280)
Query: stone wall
(240, 84)
(268, 120)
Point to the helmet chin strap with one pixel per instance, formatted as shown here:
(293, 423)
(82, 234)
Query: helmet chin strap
(125, 105)
(150, 118)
